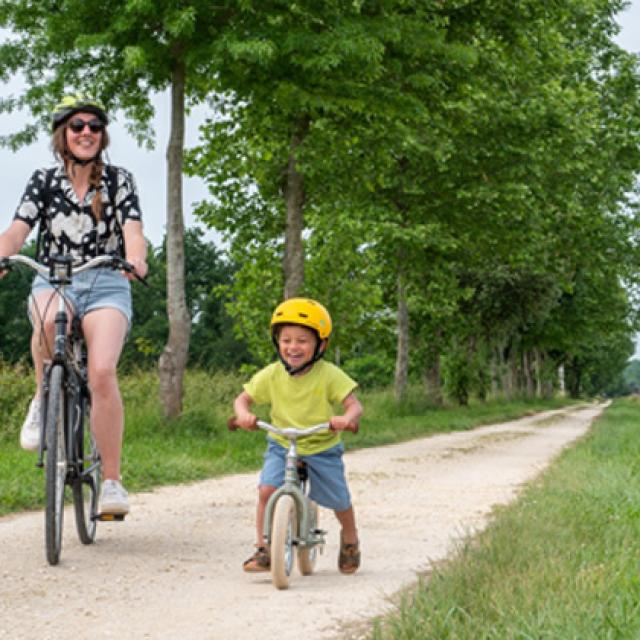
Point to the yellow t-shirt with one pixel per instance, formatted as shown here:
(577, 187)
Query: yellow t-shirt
(302, 401)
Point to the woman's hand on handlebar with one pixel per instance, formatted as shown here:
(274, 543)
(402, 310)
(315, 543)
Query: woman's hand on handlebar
(140, 268)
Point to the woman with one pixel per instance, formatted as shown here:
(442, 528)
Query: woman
(84, 208)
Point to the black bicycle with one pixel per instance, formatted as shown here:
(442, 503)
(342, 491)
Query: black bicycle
(68, 451)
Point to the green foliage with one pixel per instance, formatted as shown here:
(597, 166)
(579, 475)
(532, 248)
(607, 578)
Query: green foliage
(371, 371)
(213, 344)
(15, 337)
(484, 156)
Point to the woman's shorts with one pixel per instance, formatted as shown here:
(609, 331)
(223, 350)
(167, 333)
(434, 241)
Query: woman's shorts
(94, 289)
(327, 482)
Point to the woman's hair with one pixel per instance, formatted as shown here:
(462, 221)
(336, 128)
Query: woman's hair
(61, 152)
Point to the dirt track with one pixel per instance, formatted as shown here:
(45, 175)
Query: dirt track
(173, 569)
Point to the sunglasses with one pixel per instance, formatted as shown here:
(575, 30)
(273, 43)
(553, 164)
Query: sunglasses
(77, 125)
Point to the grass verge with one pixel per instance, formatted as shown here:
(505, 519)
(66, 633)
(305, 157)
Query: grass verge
(198, 445)
(563, 562)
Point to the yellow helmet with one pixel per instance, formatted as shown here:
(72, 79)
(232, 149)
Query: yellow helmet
(305, 312)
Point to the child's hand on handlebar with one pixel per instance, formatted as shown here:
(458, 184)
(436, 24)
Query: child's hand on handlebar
(342, 423)
(246, 421)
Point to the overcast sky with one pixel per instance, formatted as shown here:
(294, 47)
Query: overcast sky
(149, 167)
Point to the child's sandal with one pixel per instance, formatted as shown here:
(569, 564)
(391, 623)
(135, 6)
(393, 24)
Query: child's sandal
(349, 558)
(259, 562)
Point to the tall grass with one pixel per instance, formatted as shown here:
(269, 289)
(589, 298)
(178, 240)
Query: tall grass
(562, 563)
(198, 445)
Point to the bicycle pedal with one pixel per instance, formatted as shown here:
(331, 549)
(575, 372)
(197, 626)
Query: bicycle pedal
(110, 517)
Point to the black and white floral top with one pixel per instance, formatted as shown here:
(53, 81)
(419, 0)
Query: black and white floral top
(69, 226)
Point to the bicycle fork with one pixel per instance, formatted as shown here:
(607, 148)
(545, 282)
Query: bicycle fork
(307, 537)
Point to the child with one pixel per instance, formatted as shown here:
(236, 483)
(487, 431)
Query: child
(302, 390)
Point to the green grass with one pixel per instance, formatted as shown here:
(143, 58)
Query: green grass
(562, 563)
(198, 446)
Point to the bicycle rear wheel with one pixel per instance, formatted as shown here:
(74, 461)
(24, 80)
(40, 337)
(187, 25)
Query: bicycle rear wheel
(55, 465)
(86, 484)
(283, 534)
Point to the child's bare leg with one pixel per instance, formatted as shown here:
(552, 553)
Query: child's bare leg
(265, 491)
(347, 519)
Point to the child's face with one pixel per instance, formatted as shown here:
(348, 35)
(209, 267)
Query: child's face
(296, 344)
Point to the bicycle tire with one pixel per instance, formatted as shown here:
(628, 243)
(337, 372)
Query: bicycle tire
(55, 464)
(283, 533)
(307, 556)
(86, 483)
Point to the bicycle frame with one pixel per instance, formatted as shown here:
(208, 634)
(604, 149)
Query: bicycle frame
(65, 399)
(306, 536)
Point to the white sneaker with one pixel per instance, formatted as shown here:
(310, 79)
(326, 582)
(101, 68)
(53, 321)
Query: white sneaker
(114, 500)
(30, 432)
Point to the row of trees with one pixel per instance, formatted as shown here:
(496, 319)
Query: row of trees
(458, 177)
(454, 179)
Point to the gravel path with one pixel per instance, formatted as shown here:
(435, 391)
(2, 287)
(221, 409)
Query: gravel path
(172, 570)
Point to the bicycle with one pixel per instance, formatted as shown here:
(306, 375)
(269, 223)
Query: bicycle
(72, 457)
(291, 517)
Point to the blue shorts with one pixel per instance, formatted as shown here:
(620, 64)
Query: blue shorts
(91, 290)
(327, 482)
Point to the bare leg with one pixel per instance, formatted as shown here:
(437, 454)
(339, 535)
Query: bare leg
(265, 491)
(105, 331)
(348, 521)
(43, 312)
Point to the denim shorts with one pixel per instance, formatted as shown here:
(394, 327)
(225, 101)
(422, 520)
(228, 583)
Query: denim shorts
(327, 482)
(94, 289)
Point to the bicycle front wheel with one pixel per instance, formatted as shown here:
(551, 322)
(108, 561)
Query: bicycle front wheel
(284, 531)
(55, 465)
(86, 484)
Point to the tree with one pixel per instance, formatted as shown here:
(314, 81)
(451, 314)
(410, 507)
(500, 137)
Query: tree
(133, 49)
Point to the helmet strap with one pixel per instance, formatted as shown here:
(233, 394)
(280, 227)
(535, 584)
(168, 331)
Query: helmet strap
(318, 353)
(82, 162)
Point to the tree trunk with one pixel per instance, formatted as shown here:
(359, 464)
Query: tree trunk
(538, 369)
(294, 197)
(495, 372)
(432, 376)
(402, 355)
(173, 360)
(527, 369)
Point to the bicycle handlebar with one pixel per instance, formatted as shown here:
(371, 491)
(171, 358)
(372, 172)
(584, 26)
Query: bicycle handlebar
(292, 433)
(115, 262)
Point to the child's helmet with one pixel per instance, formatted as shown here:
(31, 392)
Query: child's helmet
(71, 104)
(305, 312)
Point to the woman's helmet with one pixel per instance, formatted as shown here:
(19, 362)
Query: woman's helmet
(71, 104)
(306, 313)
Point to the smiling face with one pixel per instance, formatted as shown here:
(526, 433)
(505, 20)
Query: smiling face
(296, 344)
(85, 144)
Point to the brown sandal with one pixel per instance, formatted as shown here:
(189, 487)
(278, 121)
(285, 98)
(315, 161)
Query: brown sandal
(349, 558)
(259, 562)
